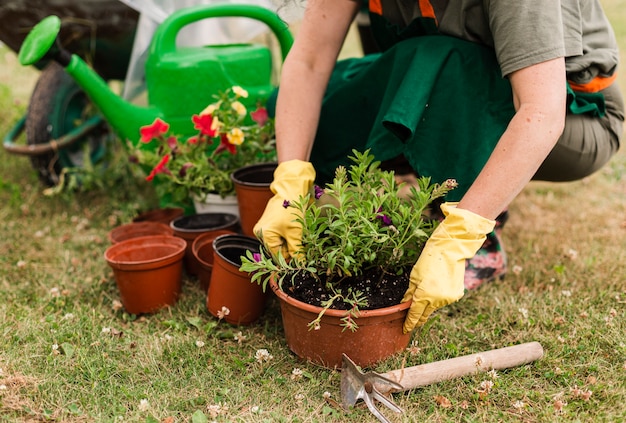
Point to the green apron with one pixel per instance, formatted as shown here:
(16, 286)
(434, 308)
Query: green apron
(438, 100)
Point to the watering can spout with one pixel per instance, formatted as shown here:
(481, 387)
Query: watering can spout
(180, 81)
(125, 117)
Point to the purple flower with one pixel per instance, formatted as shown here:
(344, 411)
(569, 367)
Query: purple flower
(319, 191)
(286, 203)
(384, 219)
(183, 170)
(256, 257)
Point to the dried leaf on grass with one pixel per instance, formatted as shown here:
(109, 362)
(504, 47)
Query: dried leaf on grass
(442, 401)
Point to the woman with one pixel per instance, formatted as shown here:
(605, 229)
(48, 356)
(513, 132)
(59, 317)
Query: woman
(490, 93)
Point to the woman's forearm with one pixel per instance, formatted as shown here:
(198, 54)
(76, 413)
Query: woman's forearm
(306, 72)
(539, 94)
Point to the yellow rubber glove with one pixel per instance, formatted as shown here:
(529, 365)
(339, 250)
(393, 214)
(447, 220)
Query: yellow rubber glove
(277, 225)
(437, 278)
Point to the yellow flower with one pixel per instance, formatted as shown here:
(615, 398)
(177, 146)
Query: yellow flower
(235, 136)
(216, 124)
(210, 108)
(240, 92)
(239, 108)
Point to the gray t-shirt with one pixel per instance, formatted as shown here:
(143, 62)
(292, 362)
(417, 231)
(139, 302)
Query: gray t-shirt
(524, 32)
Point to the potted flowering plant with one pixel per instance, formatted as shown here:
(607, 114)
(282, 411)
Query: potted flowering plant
(228, 137)
(360, 240)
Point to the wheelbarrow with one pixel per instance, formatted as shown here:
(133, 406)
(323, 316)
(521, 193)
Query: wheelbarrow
(100, 31)
(179, 80)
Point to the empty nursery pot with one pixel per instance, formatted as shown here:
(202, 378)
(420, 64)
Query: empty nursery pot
(231, 293)
(165, 215)
(191, 227)
(252, 185)
(148, 271)
(202, 250)
(138, 229)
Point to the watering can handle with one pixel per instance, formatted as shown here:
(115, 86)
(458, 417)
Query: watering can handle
(165, 38)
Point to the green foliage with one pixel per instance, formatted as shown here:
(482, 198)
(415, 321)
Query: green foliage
(229, 137)
(358, 222)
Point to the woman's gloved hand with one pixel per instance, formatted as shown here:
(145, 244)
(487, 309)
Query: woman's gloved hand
(437, 277)
(277, 225)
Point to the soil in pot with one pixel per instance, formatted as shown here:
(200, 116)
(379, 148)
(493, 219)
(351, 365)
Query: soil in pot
(381, 289)
(190, 227)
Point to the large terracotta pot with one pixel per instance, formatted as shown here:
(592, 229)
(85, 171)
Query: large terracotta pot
(202, 250)
(148, 271)
(231, 289)
(379, 335)
(138, 229)
(191, 227)
(252, 185)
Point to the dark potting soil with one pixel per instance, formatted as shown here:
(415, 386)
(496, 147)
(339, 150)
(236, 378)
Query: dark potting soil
(380, 289)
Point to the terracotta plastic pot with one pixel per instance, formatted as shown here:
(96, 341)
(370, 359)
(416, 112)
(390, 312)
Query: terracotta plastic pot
(191, 227)
(252, 185)
(138, 229)
(202, 250)
(379, 335)
(165, 215)
(231, 289)
(148, 271)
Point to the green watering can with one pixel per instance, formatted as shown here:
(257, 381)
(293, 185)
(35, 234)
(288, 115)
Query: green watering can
(181, 81)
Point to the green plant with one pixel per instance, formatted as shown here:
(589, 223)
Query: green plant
(228, 138)
(358, 224)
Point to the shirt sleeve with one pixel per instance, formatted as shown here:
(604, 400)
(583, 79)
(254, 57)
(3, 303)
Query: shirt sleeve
(526, 32)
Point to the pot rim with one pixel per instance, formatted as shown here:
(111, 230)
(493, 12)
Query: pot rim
(177, 243)
(201, 241)
(232, 219)
(331, 312)
(139, 225)
(235, 240)
(237, 174)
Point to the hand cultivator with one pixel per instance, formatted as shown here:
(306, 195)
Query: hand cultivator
(372, 386)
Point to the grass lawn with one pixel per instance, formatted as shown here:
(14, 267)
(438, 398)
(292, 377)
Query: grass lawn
(68, 353)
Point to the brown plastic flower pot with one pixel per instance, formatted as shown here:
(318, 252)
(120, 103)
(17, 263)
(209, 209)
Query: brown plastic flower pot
(378, 336)
(138, 229)
(148, 271)
(191, 227)
(202, 250)
(165, 215)
(252, 185)
(231, 290)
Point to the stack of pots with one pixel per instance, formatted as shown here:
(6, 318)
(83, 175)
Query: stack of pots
(191, 227)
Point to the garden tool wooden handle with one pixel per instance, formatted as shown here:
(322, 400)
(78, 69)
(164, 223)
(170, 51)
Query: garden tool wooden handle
(426, 374)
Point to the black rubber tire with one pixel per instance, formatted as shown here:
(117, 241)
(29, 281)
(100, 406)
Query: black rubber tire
(56, 105)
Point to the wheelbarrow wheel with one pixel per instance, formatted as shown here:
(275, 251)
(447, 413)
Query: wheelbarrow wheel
(56, 106)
